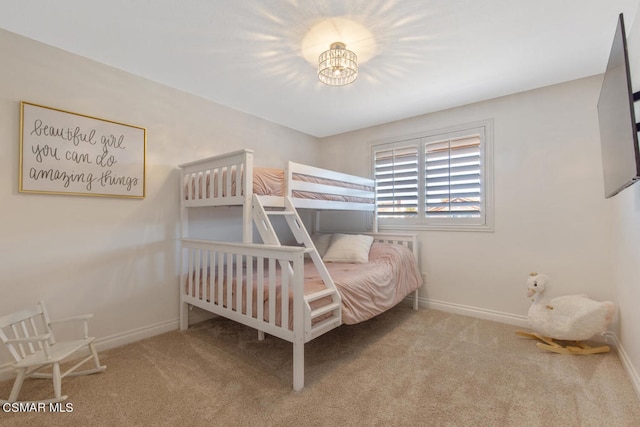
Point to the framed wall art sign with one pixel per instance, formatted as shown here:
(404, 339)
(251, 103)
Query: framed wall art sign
(69, 153)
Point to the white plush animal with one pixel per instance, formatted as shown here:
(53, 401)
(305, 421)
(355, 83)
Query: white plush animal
(569, 317)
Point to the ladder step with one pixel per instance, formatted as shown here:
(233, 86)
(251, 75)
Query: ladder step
(324, 309)
(308, 250)
(324, 326)
(283, 213)
(320, 294)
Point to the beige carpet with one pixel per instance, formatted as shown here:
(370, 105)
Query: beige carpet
(402, 368)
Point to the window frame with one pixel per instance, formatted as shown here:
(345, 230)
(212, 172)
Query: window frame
(484, 129)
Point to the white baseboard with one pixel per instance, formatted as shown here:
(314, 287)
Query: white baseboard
(626, 362)
(480, 313)
(128, 337)
(116, 340)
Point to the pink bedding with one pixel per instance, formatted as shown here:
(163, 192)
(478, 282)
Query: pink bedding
(370, 289)
(366, 289)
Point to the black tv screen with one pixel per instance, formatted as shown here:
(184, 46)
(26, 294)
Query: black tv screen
(616, 115)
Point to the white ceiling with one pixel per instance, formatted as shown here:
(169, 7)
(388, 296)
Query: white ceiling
(428, 55)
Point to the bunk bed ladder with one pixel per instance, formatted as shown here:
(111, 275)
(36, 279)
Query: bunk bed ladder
(332, 312)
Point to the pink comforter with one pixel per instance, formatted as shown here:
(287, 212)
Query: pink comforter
(372, 288)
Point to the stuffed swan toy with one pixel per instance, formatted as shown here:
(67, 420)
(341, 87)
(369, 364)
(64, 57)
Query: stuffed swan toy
(566, 318)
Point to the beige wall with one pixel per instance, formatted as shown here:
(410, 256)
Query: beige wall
(114, 257)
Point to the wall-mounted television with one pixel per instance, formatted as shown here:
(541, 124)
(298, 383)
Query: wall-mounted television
(616, 116)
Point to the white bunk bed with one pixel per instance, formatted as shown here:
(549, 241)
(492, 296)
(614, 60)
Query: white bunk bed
(227, 278)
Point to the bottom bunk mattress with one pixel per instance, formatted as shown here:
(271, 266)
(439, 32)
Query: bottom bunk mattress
(367, 289)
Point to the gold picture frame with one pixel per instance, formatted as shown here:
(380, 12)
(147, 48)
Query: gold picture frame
(74, 154)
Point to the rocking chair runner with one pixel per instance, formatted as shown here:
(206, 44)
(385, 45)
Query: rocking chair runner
(29, 337)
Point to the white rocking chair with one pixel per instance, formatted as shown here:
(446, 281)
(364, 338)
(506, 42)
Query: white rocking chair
(29, 337)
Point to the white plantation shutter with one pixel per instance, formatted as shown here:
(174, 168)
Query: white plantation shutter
(436, 180)
(396, 175)
(453, 178)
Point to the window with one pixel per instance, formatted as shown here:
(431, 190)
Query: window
(436, 180)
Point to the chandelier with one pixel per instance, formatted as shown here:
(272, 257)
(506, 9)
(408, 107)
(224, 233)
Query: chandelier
(337, 66)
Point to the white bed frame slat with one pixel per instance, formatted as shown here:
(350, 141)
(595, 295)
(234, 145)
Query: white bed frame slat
(284, 298)
(260, 276)
(272, 291)
(299, 168)
(313, 187)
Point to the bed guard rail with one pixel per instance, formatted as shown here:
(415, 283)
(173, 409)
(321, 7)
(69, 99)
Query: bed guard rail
(233, 280)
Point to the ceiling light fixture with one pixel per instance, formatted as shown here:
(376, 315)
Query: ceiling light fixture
(337, 66)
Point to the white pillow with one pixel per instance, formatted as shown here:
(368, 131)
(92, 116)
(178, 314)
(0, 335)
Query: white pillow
(353, 248)
(321, 242)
